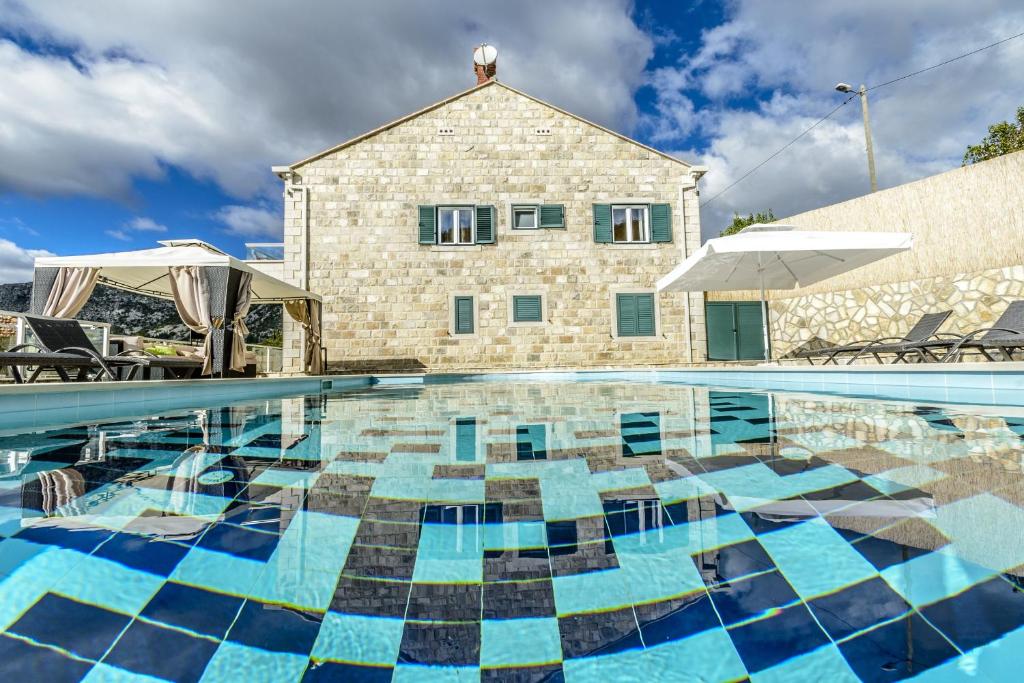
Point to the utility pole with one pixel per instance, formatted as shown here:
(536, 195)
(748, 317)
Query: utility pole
(863, 93)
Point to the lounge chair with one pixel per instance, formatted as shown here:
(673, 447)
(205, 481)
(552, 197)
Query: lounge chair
(1005, 337)
(60, 335)
(926, 328)
(18, 357)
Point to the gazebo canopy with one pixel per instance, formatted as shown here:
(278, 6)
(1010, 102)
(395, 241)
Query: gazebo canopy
(145, 270)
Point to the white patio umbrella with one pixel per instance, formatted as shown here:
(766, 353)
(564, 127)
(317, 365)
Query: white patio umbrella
(772, 256)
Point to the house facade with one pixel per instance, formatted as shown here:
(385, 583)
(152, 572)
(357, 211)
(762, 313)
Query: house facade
(493, 230)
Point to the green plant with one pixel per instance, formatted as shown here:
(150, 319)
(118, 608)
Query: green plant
(1002, 138)
(739, 222)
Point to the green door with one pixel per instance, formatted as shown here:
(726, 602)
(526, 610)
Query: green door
(735, 330)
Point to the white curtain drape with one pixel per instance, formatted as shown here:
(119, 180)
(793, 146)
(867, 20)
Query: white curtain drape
(307, 313)
(242, 304)
(70, 291)
(192, 299)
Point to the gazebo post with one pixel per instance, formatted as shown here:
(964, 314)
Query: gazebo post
(42, 283)
(222, 285)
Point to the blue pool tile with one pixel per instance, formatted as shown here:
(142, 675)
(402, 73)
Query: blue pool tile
(84, 630)
(23, 661)
(65, 535)
(109, 584)
(218, 572)
(751, 597)
(142, 553)
(764, 643)
(897, 649)
(733, 562)
(450, 554)
(512, 642)
(824, 664)
(104, 673)
(929, 578)
(197, 610)
(513, 535)
(858, 607)
(961, 520)
(799, 550)
(239, 541)
(419, 673)
(143, 648)
(372, 641)
(706, 656)
(591, 591)
(981, 614)
(231, 659)
(337, 672)
(676, 619)
(275, 628)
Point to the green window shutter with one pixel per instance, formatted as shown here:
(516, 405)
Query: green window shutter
(645, 315)
(463, 315)
(602, 223)
(465, 439)
(485, 224)
(526, 309)
(661, 222)
(635, 315)
(626, 310)
(552, 216)
(428, 231)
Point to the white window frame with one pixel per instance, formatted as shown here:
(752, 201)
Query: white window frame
(644, 210)
(472, 222)
(532, 208)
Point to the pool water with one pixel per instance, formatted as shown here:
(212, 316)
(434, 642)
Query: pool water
(545, 531)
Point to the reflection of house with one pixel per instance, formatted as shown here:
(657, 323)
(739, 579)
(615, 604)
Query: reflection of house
(493, 229)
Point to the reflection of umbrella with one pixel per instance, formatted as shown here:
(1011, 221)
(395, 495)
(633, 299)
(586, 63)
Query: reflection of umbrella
(779, 257)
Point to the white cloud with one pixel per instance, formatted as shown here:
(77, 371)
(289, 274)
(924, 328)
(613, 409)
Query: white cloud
(799, 51)
(16, 262)
(144, 224)
(225, 94)
(251, 221)
(118, 235)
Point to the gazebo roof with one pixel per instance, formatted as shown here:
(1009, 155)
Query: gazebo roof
(145, 270)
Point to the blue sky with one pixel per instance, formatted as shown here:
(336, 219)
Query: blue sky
(124, 123)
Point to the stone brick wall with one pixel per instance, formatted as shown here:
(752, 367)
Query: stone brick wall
(387, 299)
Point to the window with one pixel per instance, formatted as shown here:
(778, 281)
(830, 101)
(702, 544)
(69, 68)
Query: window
(527, 308)
(463, 315)
(629, 224)
(634, 315)
(455, 225)
(465, 439)
(524, 218)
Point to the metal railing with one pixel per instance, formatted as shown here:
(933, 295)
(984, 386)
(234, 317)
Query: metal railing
(269, 359)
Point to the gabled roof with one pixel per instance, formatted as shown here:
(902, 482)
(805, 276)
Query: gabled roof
(464, 93)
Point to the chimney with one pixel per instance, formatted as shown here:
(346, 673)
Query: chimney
(485, 63)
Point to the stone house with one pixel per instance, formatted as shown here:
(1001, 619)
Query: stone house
(493, 230)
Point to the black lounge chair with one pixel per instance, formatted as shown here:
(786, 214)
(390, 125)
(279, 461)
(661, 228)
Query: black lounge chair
(18, 357)
(66, 336)
(1005, 337)
(926, 328)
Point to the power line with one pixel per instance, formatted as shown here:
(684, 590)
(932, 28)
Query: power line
(948, 61)
(846, 101)
(780, 150)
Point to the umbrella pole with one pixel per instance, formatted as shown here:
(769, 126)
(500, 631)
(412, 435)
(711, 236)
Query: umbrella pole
(764, 312)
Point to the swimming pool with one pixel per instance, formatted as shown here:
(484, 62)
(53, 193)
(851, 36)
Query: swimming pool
(518, 530)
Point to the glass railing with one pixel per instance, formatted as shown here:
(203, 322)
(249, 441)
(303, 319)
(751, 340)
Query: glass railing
(264, 251)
